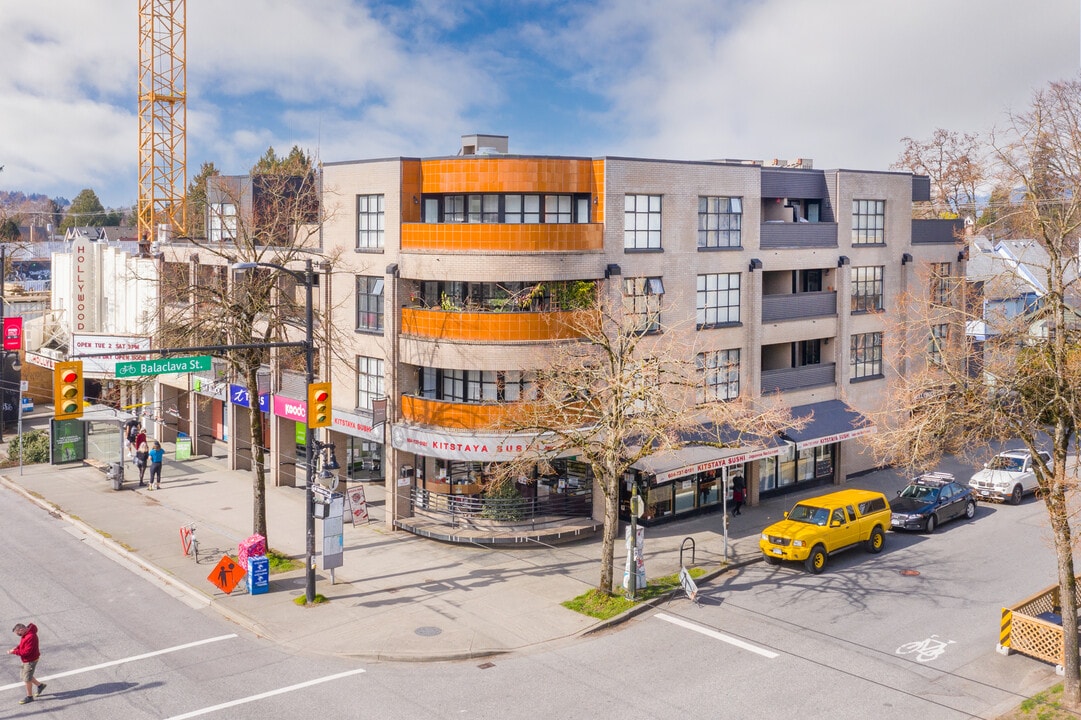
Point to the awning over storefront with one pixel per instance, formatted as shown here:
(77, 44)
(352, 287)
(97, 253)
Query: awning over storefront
(694, 459)
(830, 422)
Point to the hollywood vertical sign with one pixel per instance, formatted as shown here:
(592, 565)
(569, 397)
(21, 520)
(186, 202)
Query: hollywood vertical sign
(86, 293)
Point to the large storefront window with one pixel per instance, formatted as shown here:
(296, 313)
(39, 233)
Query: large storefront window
(364, 459)
(683, 495)
(795, 469)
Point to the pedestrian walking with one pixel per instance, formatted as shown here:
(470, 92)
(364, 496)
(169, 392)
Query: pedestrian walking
(738, 494)
(28, 652)
(131, 432)
(142, 458)
(157, 455)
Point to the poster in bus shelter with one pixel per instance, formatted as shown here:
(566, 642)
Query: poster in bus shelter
(67, 441)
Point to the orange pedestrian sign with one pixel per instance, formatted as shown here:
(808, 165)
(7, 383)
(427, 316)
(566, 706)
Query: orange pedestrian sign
(226, 574)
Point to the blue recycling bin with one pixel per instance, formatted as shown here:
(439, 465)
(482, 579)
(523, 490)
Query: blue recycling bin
(258, 577)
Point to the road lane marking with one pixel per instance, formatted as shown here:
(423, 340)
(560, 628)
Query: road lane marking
(708, 632)
(134, 658)
(262, 696)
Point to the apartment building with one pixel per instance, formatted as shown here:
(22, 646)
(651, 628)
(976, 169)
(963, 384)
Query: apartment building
(786, 276)
(448, 276)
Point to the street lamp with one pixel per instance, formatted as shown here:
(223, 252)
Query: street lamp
(308, 278)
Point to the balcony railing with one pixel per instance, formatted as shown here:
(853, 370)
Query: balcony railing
(486, 326)
(798, 235)
(502, 238)
(794, 306)
(798, 377)
(502, 512)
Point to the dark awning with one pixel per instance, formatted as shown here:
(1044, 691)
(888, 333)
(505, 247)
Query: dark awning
(831, 421)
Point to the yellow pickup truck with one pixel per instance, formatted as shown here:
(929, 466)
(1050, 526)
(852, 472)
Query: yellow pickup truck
(820, 526)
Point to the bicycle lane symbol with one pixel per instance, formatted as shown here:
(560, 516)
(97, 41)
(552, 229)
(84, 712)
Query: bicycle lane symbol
(926, 650)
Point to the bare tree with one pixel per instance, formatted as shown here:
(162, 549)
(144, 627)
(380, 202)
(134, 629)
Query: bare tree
(622, 392)
(277, 218)
(954, 163)
(1021, 377)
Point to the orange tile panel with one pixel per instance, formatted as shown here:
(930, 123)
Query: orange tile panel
(465, 237)
(467, 416)
(486, 326)
(493, 174)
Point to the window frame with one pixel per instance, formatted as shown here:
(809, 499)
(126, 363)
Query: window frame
(370, 379)
(223, 223)
(644, 296)
(726, 314)
(642, 225)
(939, 286)
(862, 300)
(865, 356)
(938, 339)
(715, 221)
(868, 222)
(368, 238)
(719, 381)
(369, 302)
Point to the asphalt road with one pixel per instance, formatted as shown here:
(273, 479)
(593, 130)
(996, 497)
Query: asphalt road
(765, 641)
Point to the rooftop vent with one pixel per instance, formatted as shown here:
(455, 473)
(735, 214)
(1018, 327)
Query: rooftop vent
(484, 145)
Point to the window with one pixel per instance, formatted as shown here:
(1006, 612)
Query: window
(474, 386)
(642, 222)
(718, 300)
(454, 208)
(867, 289)
(369, 221)
(369, 303)
(642, 303)
(483, 208)
(868, 222)
(940, 283)
(222, 222)
(369, 381)
(719, 222)
(557, 208)
(522, 209)
(720, 375)
(937, 341)
(866, 355)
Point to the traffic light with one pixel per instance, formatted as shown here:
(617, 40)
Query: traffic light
(68, 390)
(319, 405)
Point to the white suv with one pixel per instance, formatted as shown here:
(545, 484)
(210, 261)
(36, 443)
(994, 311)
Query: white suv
(1008, 476)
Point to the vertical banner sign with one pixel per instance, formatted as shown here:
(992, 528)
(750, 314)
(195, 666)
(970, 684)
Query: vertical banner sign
(635, 560)
(13, 333)
(356, 505)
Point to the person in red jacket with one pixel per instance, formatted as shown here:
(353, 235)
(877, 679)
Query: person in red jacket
(28, 652)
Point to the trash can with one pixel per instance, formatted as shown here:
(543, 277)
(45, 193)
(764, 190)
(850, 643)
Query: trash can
(116, 474)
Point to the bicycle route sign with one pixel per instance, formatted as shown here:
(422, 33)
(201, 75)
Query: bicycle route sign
(196, 363)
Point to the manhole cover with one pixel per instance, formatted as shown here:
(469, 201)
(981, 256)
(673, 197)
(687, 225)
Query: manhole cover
(427, 631)
(910, 573)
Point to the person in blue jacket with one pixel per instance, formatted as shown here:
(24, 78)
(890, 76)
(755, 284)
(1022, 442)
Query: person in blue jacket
(157, 455)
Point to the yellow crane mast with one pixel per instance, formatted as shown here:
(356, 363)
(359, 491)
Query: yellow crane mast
(163, 113)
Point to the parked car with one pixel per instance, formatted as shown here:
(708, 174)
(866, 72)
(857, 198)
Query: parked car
(1009, 476)
(821, 526)
(930, 500)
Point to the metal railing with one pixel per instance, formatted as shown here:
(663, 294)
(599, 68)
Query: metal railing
(503, 512)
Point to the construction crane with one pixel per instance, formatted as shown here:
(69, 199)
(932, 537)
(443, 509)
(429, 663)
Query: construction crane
(163, 112)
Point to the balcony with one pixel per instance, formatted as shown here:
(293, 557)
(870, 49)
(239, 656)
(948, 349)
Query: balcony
(502, 238)
(944, 232)
(796, 306)
(487, 326)
(797, 378)
(798, 235)
(450, 414)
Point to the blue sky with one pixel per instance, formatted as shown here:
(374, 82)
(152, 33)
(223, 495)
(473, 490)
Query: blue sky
(839, 81)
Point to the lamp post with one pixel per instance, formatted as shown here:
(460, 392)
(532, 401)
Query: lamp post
(308, 278)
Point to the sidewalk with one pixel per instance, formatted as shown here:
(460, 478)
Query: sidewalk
(398, 596)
